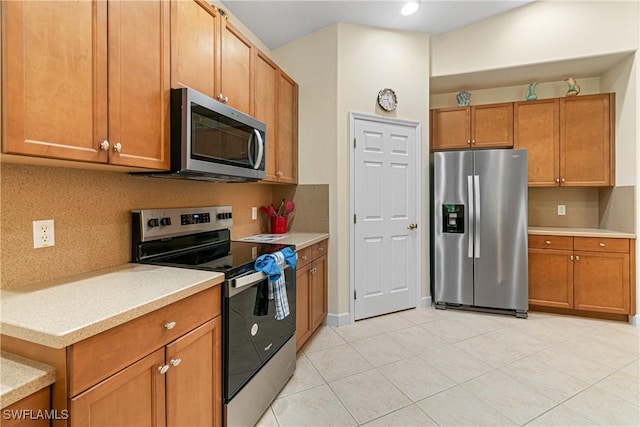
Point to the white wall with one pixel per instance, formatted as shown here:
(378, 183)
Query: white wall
(539, 32)
(341, 69)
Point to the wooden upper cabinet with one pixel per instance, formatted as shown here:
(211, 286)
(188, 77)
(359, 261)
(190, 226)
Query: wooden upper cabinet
(80, 74)
(537, 128)
(587, 140)
(139, 83)
(492, 125)
(54, 78)
(287, 149)
(194, 45)
(266, 77)
(236, 69)
(450, 128)
(479, 126)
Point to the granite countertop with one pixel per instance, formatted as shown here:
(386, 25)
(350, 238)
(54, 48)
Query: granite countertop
(22, 377)
(65, 311)
(580, 232)
(299, 240)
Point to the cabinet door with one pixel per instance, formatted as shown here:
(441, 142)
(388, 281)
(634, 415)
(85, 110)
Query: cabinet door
(194, 379)
(551, 278)
(265, 97)
(492, 125)
(236, 78)
(586, 140)
(303, 309)
(194, 45)
(134, 396)
(139, 83)
(287, 154)
(54, 78)
(450, 128)
(537, 128)
(318, 292)
(601, 282)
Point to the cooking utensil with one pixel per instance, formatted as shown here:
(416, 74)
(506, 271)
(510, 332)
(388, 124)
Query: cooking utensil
(289, 206)
(272, 210)
(280, 208)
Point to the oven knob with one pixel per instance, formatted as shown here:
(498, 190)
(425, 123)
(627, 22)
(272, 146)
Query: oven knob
(228, 215)
(221, 216)
(153, 222)
(165, 221)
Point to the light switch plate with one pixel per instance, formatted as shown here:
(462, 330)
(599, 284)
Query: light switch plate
(254, 213)
(562, 210)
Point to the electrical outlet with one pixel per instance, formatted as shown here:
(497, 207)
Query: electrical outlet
(562, 210)
(254, 213)
(43, 234)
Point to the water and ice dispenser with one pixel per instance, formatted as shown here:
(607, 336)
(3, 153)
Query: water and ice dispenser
(452, 218)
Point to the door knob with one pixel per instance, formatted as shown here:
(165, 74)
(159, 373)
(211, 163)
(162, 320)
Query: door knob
(412, 226)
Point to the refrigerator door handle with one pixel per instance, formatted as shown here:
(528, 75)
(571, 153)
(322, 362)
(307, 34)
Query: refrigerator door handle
(476, 184)
(470, 220)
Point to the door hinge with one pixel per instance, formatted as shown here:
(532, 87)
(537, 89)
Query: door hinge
(355, 295)
(354, 143)
(354, 218)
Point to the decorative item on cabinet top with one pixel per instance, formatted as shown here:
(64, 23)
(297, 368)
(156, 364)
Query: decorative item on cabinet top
(531, 94)
(574, 89)
(463, 98)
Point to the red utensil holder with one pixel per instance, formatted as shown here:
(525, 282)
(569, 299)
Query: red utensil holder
(278, 224)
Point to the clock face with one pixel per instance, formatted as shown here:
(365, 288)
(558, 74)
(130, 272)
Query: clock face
(387, 99)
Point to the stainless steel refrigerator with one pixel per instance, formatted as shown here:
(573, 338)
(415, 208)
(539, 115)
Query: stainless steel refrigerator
(479, 230)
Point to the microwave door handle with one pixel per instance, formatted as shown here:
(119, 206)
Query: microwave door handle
(258, 161)
(249, 149)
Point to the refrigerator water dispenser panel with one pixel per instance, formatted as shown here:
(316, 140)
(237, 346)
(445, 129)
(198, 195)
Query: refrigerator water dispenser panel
(452, 218)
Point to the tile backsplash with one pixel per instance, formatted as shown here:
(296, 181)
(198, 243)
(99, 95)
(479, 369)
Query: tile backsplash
(91, 210)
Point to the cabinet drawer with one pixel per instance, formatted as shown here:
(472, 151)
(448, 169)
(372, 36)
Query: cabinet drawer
(305, 256)
(595, 244)
(320, 249)
(102, 355)
(551, 242)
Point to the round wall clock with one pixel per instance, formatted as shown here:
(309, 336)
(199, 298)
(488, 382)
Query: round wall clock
(387, 99)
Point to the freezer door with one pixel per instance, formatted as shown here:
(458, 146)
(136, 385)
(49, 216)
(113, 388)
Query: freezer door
(500, 249)
(452, 249)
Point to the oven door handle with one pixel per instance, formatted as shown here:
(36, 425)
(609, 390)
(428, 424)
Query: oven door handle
(251, 279)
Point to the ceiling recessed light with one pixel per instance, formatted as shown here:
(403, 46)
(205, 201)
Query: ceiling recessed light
(410, 8)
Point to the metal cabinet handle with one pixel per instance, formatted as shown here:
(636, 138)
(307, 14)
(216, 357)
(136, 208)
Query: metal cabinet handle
(469, 141)
(563, 180)
(176, 361)
(547, 242)
(558, 180)
(117, 148)
(602, 245)
(473, 141)
(571, 257)
(303, 257)
(279, 173)
(163, 369)
(104, 145)
(577, 258)
(321, 249)
(170, 325)
(223, 98)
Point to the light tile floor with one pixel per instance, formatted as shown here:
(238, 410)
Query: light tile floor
(428, 367)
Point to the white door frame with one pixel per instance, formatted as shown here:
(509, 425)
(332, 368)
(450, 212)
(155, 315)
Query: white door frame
(353, 116)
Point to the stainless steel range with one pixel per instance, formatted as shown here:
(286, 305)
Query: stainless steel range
(259, 352)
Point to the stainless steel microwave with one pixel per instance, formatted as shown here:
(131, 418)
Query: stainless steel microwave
(211, 141)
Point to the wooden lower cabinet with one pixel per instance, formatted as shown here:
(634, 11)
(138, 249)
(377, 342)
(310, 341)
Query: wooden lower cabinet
(133, 396)
(311, 291)
(177, 385)
(551, 278)
(597, 280)
(37, 403)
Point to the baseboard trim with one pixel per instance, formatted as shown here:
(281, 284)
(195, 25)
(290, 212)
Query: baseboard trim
(338, 320)
(635, 320)
(425, 301)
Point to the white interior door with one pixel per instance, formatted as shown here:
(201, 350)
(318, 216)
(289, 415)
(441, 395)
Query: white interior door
(386, 250)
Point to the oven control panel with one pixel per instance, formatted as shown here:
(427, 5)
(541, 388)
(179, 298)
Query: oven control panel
(154, 224)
